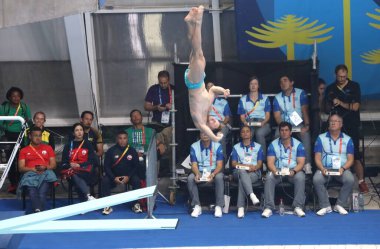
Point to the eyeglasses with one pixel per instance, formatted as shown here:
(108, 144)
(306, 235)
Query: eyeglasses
(334, 121)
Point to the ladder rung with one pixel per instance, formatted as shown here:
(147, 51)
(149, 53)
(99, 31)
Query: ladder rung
(8, 142)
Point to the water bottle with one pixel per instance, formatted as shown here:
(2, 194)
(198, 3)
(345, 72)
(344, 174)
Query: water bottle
(355, 202)
(361, 202)
(281, 208)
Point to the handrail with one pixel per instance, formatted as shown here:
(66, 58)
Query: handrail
(13, 118)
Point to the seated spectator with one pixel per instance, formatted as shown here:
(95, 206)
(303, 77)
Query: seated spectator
(78, 163)
(334, 150)
(120, 164)
(10, 130)
(39, 120)
(206, 159)
(254, 109)
(37, 162)
(292, 105)
(286, 158)
(220, 110)
(249, 154)
(90, 133)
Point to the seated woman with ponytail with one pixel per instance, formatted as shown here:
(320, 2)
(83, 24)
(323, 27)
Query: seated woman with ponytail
(79, 163)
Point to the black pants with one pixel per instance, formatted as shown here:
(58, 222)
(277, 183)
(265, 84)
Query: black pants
(108, 184)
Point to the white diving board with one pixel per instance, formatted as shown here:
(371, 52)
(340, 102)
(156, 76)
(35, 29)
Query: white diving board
(42, 219)
(64, 226)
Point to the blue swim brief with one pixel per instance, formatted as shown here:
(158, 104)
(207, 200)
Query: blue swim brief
(191, 85)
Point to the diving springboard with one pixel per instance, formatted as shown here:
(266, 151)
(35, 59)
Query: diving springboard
(71, 210)
(63, 226)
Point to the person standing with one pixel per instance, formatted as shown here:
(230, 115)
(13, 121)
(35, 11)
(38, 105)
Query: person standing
(159, 100)
(344, 98)
(11, 129)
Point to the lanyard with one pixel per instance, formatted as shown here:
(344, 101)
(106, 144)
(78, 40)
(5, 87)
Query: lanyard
(340, 146)
(206, 155)
(246, 151)
(253, 109)
(38, 154)
(169, 93)
(136, 135)
(121, 157)
(293, 101)
(18, 108)
(246, 147)
(290, 152)
(217, 113)
(76, 152)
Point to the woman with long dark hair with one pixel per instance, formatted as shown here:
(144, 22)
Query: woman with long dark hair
(79, 163)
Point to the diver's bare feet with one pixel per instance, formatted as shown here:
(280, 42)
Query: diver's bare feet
(195, 15)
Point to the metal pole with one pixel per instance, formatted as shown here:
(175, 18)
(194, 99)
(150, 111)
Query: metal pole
(215, 12)
(173, 187)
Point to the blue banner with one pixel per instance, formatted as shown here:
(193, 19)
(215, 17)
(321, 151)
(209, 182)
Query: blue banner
(345, 31)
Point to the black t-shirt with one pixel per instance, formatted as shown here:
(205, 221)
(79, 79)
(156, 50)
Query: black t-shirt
(349, 94)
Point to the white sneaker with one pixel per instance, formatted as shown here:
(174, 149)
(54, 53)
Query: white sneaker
(107, 210)
(254, 199)
(340, 210)
(137, 208)
(196, 211)
(324, 211)
(267, 213)
(307, 169)
(240, 213)
(218, 212)
(90, 198)
(299, 212)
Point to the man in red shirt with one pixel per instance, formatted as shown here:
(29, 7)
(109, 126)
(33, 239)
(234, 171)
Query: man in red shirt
(36, 162)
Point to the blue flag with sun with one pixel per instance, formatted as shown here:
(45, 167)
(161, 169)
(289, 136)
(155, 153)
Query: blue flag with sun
(345, 32)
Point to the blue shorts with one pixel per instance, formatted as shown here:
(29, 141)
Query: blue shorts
(191, 85)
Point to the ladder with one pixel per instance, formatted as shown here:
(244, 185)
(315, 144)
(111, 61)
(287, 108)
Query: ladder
(5, 167)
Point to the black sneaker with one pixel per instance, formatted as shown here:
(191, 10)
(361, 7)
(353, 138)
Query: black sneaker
(137, 208)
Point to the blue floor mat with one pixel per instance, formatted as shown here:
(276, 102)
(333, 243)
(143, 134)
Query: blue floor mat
(355, 228)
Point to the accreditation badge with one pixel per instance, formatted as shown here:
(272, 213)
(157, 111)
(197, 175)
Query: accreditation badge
(336, 162)
(165, 117)
(295, 118)
(247, 158)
